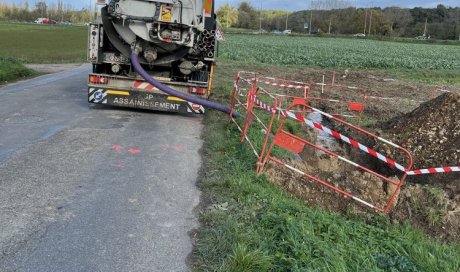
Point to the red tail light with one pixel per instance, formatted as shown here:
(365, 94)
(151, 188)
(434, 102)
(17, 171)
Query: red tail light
(98, 80)
(196, 90)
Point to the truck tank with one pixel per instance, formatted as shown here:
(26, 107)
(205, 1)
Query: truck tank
(175, 41)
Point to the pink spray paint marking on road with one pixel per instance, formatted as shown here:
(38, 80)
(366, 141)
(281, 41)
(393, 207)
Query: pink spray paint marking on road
(134, 151)
(118, 147)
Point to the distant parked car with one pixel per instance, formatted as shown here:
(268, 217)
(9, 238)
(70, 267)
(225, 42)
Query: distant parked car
(359, 35)
(423, 37)
(277, 32)
(39, 20)
(287, 32)
(45, 21)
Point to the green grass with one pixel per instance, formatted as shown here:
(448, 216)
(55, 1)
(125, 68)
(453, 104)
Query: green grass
(11, 69)
(339, 52)
(255, 226)
(427, 76)
(32, 43)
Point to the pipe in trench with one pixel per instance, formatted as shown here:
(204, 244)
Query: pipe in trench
(203, 102)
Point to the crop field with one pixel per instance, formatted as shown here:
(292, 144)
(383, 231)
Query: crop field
(339, 52)
(31, 43)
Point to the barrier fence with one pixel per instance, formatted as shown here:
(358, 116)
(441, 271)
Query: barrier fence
(296, 144)
(269, 103)
(287, 91)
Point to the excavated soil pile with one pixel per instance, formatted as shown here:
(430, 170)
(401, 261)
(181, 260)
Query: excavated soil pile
(431, 132)
(431, 202)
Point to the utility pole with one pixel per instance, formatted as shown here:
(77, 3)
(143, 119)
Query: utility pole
(90, 10)
(287, 18)
(424, 31)
(457, 26)
(365, 23)
(330, 23)
(311, 23)
(370, 22)
(260, 18)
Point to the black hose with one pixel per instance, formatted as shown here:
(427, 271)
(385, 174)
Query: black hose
(113, 35)
(193, 99)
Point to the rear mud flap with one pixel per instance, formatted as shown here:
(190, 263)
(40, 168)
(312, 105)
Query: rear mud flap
(142, 100)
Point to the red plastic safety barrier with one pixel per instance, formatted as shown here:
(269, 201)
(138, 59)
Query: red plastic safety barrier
(368, 150)
(242, 99)
(295, 144)
(284, 90)
(339, 136)
(251, 98)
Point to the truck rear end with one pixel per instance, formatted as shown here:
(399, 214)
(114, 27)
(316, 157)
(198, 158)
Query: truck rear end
(177, 45)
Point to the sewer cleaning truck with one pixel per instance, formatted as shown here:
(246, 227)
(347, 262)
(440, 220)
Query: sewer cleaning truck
(154, 55)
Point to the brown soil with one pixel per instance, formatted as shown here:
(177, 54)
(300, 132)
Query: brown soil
(430, 132)
(373, 83)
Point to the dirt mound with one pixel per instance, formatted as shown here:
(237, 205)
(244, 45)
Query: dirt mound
(431, 202)
(431, 132)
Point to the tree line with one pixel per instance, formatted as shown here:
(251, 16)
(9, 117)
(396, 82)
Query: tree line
(338, 18)
(55, 11)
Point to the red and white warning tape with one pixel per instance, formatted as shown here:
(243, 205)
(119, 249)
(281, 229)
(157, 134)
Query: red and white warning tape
(263, 105)
(444, 91)
(434, 170)
(354, 143)
(344, 138)
(380, 98)
(368, 97)
(288, 85)
(333, 133)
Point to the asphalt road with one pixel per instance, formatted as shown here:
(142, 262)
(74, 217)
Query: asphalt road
(90, 188)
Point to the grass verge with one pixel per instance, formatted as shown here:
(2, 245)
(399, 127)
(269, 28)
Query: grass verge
(11, 69)
(428, 76)
(249, 224)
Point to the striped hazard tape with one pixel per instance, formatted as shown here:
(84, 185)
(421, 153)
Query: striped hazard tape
(263, 105)
(445, 91)
(98, 96)
(144, 85)
(290, 85)
(434, 170)
(346, 139)
(333, 133)
(379, 98)
(354, 143)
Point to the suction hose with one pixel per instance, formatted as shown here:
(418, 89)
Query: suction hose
(138, 68)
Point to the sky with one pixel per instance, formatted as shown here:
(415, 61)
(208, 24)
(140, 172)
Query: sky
(287, 5)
